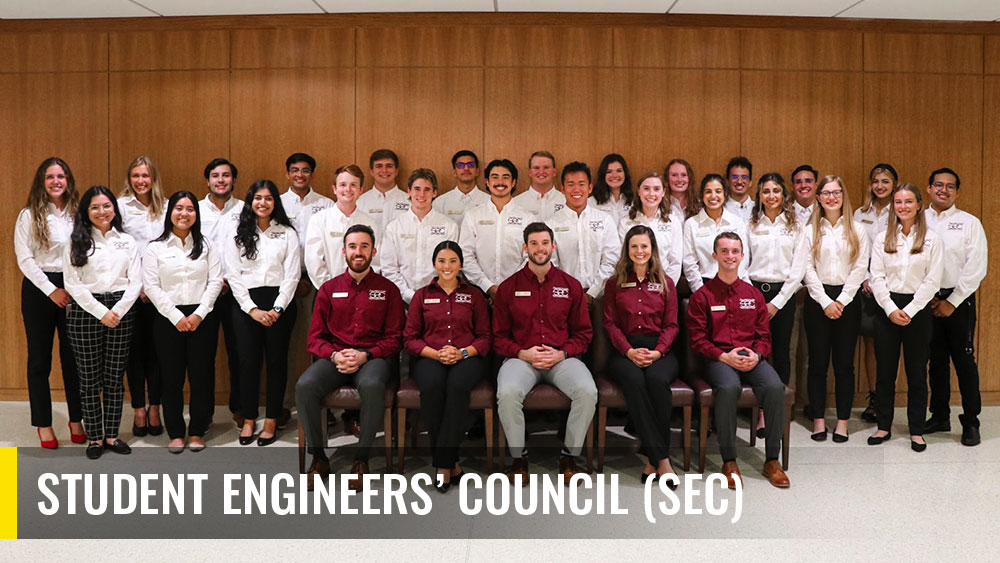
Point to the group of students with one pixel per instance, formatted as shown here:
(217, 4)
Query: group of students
(484, 270)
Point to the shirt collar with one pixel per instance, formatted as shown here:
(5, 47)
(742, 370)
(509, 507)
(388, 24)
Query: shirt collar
(944, 214)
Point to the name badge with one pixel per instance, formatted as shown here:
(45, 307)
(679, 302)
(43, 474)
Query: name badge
(522, 294)
(717, 308)
(485, 222)
(379, 210)
(337, 234)
(434, 300)
(628, 284)
(562, 229)
(702, 235)
(338, 294)
(405, 236)
(454, 212)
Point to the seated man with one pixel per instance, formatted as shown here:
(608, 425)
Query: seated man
(729, 326)
(357, 327)
(540, 323)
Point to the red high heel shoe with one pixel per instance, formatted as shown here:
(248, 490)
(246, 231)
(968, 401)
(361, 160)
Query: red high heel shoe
(47, 444)
(76, 438)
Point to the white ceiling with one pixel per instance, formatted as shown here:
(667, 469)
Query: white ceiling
(969, 10)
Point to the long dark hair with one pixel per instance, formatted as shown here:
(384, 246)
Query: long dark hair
(786, 201)
(246, 231)
(602, 192)
(82, 241)
(624, 267)
(168, 225)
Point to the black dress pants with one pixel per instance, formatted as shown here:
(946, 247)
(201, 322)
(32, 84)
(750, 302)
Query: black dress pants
(915, 339)
(953, 338)
(444, 403)
(42, 318)
(781, 331)
(832, 337)
(190, 354)
(226, 309)
(257, 344)
(143, 369)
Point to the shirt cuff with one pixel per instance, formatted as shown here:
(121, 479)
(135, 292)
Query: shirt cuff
(47, 287)
(202, 311)
(911, 310)
(175, 316)
(956, 299)
(845, 299)
(824, 300)
(595, 291)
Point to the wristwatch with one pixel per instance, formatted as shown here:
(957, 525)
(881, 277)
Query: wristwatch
(279, 310)
(465, 354)
(368, 355)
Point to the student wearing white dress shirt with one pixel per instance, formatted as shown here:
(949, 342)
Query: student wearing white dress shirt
(739, 172)
(263, 265)
(182, 276)
(907, 266)
(683, 203)
(803, 186)
(412, 236)
(650, 208)
(143, 208)
(613, 192)
(804, 179)
(324, 259)
(102, 273)
(542, 199)
(384, 201)
(701, 229)
(874, 217)
(219, 214)
(837, 261)
(953, 308)
(466, 194)
(587, 243)
(41, 232)
(491, 233)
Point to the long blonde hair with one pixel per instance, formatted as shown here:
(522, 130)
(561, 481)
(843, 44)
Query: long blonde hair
(624, 267)
(846, 213)
(155, 190)
(920, 224)
(38, 199)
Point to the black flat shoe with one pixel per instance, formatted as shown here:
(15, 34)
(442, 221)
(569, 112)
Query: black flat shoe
(94, 450)
(246, 440)
(839, 438)
(441, 486)
(673, 481)
(761, 433)
(876, 440)
(139, 431)
(155, 430)
(262, 441)
(646, 477)
(118, 446)
(918, 447)
(820, 436)
(458, 476)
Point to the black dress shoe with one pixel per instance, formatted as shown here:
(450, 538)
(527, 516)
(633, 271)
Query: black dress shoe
(935, 424)
(646, 477)
(139, 431)
(246, 440)
(440, 485)
(839, 438)
(761, 433)
(819, 436)
(673, 481)
(970, 433)
(155, 430)
(94, 450)
(870, 414)
(118, 446)
(283, 419)
(262, 441)
(876, 440)
(918, 447)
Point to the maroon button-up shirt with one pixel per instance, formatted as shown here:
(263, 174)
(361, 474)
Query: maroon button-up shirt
(529, 313)
(366, 315)
(640, 308)
(722, 317)
(437, 319)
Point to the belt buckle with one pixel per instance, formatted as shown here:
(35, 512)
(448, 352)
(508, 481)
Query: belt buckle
(765, 287)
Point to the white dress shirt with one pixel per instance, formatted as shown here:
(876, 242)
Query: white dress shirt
(587, 246)
(965, 256)
(301, 209)
(324, 247)
(384, 207)
(669, 240)
(873, 223)
(278, 264)
(219, 225)
(741, 210)
(903, 272)
(835, 266)
(616, 209)
(408, 249)
(171, 278)
(776, 255)
(137, 222)
(541, 206)
(677, 213)
(803, 214)
(492, 242)
(113, 266)
(699, 241)
(33, 260)
(453, 204)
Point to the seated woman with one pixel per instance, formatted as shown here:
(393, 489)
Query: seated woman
(640, 316)
(448, 331)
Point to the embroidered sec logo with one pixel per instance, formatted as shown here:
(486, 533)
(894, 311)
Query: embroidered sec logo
(376, 295)
(748, 304)
(514, 221)
(463, 298)
(561, 292)
(437, 230)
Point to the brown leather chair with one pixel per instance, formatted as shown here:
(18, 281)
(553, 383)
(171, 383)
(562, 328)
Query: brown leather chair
(547, 397)
(483, 398)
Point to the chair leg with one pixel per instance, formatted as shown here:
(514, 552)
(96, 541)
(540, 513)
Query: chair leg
(754, 419)
(401, 436)
(788, 433)
(602, 423)
(503, 447)
(488, 419)
(387, 424)
(702, 438)
(302, 448)
(590, 447)
(687, 437)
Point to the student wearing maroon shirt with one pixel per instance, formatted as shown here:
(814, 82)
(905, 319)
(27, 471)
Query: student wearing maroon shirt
(448, 330)
(356, 327)
(540, 324)
(640, 315)
(729, 326)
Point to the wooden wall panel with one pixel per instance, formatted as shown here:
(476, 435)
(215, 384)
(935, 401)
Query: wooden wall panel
(988, 296)
(991, 56)
(800, 50)
(319, 47)
(179, 118)
(677, 47)
(898, 52)
(663, 114)
(424, 115)
(793, 118)
(420, 46)
(169, 50)
(549, 46)
(53, 52)
(558, 110)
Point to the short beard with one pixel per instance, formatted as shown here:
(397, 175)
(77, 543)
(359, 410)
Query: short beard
(350, 266)
(531, 258)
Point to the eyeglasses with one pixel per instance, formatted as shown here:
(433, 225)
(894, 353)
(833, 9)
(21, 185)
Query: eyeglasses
(831, 194)
(735, 177)
(939, 185)
(297, 170)
(465, 165)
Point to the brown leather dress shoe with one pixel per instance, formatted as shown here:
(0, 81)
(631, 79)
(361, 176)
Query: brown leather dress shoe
(519, 467)
(319, 470)
(775, 474)
(567, 468)
(730, 468)
(353, 427)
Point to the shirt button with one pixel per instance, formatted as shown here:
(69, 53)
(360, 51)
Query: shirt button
(449, 326)
(449, 312)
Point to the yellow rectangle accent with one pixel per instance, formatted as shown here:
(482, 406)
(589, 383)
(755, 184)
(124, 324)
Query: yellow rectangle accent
(8, 493)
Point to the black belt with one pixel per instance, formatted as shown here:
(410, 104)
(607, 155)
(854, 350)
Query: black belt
(767, 287)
